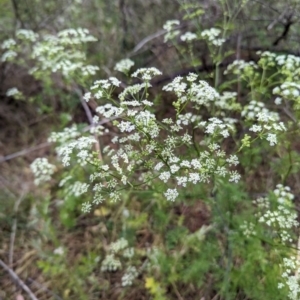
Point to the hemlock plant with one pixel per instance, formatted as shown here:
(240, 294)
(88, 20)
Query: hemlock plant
(170, 155)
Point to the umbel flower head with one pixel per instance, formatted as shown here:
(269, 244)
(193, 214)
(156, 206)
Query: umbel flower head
(143, 142)
(42, 170)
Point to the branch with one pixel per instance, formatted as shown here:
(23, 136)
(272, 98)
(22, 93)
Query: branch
(277, 20)
(90, 118)
(147, 39)
(285, 32)
(13, 231)
(17, 15)
(26, 151)
(23, 152)
(19, 281)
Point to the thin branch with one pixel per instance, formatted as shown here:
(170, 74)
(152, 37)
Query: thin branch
(28, 150)
(17, 15)
(23, 152)
(19, 281)
(285, 32)
(279, 19)
(147, 39)
(90, 118)
(13, 231)
(153, 36)
(44, 288)
(122, 7)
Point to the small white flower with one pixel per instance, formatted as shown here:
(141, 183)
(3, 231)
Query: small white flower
(59, 251)
(256, 128)
(182, 180)
(174, 169)
(13, 92)
(124, 65)
(114, 81)
(233, 160)
(194, 178)
(158, 166)
(171, 194)
(42, 170)
(234, 177)
(188, 36)
(165, 176)
(87, 96)
(272, 139)
(86, 207)
(146, 73)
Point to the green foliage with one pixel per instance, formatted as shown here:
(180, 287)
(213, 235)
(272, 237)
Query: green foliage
(182, 202)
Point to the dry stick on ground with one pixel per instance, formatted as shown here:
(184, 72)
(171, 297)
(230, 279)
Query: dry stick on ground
(13, 231)
(43, 288)
(19, 281)
(43, 145)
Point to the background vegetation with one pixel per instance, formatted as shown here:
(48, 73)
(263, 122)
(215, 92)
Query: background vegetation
(203, 245)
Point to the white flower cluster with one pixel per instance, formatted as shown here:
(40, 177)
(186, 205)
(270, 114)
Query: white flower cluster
(8, 44)
(9, 55)
(102, 88)
(42, 170)
(199, 92)
(281, 217)
(14, 92)
(289, 66)
(171, 194)
(215, 126)
(124, 65)
(268, 127)
(212, 36)
(277, 212)
(251, 110)
(146, 74)
(69, 133)
(110, 263)
(197, 170)
(287, 91)
(108, 110)
(290, 277)
(27, 35)
(118, 250)
(289, 61)
(77, 189)
(248, 229)
(227, 101)
(119, 245)
(53, 53)
(59, 251)
(10, 47)
(139, 141)
(171, 33)
(188, 37)
(75, 36)
(243, 68)
(130, 274)
(69, 140)
(202, 93)
(83, 145)
(133, 91)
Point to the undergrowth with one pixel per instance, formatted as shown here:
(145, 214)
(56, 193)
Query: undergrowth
(194, 203)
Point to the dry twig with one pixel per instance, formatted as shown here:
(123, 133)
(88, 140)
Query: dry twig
(18, 280)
